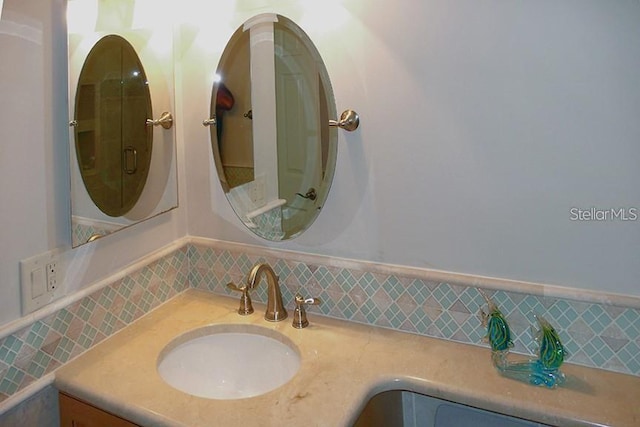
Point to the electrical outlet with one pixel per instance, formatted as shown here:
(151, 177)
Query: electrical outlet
(51, 269)
(41, 279)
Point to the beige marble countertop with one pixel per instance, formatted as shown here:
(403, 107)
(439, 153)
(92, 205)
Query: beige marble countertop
(343, 364)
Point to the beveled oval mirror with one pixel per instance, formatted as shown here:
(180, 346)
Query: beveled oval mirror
(112, 144)
(274, 150)
(123, 165)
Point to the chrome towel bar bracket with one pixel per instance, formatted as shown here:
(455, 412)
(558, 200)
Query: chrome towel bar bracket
(165, 120)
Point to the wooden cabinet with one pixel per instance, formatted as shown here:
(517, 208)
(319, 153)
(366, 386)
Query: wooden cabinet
(76, 413)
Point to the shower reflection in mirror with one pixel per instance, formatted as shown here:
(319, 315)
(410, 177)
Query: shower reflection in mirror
(122, 156)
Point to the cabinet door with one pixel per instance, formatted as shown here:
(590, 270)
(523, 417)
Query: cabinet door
(75, 413)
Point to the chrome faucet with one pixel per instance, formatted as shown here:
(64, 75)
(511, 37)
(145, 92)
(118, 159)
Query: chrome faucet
(275, 308)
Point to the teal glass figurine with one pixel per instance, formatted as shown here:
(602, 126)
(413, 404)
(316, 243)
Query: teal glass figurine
(551, 353)
(545, 370)
(498, 332)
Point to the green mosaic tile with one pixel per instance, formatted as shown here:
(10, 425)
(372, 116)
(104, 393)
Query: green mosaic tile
(598, 352)
(472, 331)
(10, 348)
(62, 320)
(302, 273)
(86, 309)
(280, 267)
(596, 318)
(445, 296)
(395, 315)
(471, 299)
(108, 324)
(324, 277)
(193, 254)
(417, 291)
(563, 314)
(445, 324)
(106, 296)
(182, 279)
(64, 349)
(244, 263)
(504, 301)
(39, 364)
(629, 322)
(11, 381)
(368, 284)
(571, 346)
(160, 271)
(87, 337)
(147, 301)
(373, 315)
(126, 287)
(347, 307)
(226, 259)
(531, 304)
(195, 277)
(393, 287)
(163, 291)
(633, 365)
(126, 314)
(328, 304)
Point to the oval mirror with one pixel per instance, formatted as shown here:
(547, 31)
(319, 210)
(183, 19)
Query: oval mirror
(274, 150)
(122, 157)
(112, 143)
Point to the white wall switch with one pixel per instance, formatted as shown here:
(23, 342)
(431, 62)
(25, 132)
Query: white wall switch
(38, 287)
(41, 280)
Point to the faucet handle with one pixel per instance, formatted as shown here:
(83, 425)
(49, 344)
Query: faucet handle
(300, 314)
(246, 307)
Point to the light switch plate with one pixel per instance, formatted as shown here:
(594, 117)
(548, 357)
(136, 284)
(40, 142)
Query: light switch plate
(41, 280)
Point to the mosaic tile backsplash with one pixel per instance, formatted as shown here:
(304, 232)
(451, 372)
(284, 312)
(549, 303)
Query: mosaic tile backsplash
(595, 335)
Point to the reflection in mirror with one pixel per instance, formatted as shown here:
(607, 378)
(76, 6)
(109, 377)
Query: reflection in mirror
(273, 147)
(122, 160)
(113, 149)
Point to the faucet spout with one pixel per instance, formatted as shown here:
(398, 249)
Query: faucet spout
(275, 308)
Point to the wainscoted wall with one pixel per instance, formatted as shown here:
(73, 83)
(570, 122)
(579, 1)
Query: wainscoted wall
(596, 333)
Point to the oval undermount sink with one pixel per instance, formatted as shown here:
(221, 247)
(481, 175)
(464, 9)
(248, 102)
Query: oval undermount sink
(229, 361)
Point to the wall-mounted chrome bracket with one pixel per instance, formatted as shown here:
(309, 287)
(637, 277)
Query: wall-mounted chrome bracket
(165, 120)
(349, 121)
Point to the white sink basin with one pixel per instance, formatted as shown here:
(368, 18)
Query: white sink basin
(228, 361)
